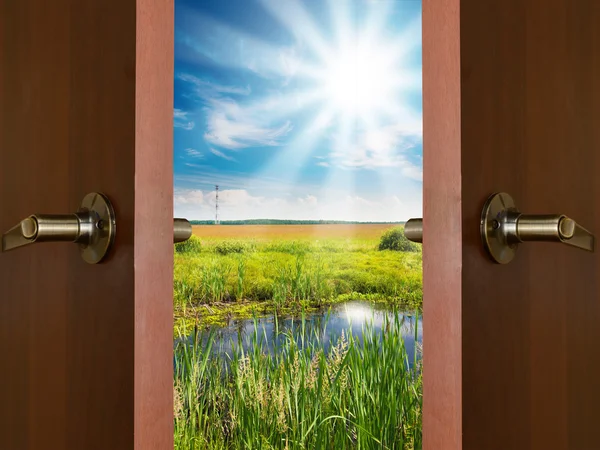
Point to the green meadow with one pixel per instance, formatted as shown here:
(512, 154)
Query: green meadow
(219, 277)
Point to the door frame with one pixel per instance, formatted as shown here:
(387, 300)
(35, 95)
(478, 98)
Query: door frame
(442, 226)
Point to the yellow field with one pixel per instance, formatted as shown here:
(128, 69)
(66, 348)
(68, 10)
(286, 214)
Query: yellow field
(292, 232)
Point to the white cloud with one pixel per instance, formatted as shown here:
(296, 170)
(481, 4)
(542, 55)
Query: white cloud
(232, 48)
(194, 153)
(381, 147)
(221, 154)
(181, 120)
(239, 204)
(323, 164)
(207, 89)
(196, 166)
(209, 176)
(308, 200)
(188, 197)
(294, 17)
(232, 126)
(412, 171)
(290, 62)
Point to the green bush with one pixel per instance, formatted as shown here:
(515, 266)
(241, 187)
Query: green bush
(227, 247)
(260, 289)
(394, 239)
(192, 245)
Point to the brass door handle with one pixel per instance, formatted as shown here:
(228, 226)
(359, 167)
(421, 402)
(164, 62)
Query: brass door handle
(503, 228)
(93, 228)
(182, 230)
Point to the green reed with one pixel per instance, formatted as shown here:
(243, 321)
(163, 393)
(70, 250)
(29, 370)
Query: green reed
(360, 394)
(241, 275)
(214, 280)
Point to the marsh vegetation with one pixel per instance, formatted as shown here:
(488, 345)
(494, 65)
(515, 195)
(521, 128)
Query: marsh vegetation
(234, 271)
(299, 391)
(296, 387)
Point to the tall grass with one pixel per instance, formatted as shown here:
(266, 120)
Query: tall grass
(361, 393)
(192, 245)
(286, 273)
(214, 280)
(241, 276)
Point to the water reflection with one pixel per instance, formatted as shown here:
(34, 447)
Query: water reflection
(326, 327)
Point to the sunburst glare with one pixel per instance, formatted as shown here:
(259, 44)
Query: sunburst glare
(359, 81)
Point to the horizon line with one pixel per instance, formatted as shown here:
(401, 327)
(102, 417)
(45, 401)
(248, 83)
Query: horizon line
(317, 221)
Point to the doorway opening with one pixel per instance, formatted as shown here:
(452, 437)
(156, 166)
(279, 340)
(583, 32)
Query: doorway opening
(298, 159)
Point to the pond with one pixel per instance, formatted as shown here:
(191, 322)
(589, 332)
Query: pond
(324, 327)
(295, 380)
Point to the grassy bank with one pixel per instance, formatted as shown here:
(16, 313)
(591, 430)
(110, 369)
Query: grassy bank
(360, 394)
(216, 278)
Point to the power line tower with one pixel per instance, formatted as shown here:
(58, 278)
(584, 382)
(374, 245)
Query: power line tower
(217, 205)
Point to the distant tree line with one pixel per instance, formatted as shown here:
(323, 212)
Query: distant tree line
(289, 222)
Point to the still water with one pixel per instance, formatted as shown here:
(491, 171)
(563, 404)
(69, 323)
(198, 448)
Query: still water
(325, 326)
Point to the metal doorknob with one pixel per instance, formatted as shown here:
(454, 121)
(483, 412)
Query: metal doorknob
(182, 230)
(93, 227)
(413, 230)
(503, 228)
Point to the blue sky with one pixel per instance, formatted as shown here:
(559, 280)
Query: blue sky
(298, 109)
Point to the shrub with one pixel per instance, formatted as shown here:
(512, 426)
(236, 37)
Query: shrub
(229, 246)
(192, 245)
(394, 239)
(260, 288)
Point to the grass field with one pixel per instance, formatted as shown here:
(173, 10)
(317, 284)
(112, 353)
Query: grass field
(239, 270)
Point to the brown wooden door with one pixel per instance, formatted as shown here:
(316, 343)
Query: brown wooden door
(86, 350)
(511, 103)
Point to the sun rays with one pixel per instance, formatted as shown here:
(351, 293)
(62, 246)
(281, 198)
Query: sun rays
(355, 78)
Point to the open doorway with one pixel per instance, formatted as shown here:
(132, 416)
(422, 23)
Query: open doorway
(298, 158)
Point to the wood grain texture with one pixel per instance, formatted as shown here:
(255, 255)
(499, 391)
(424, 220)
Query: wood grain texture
(79, 80)
(530, 109)
(442, 245)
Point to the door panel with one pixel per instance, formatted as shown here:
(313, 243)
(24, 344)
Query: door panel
(529, 105)
(87, 106)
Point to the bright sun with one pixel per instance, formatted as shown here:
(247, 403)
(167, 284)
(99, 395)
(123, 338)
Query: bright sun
(359, 81)
(350, 84)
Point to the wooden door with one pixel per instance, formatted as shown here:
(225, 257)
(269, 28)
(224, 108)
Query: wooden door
(86, 350)
(511, 103)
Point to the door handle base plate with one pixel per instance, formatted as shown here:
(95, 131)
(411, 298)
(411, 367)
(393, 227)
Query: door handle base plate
(493, 219)
(97, 213)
